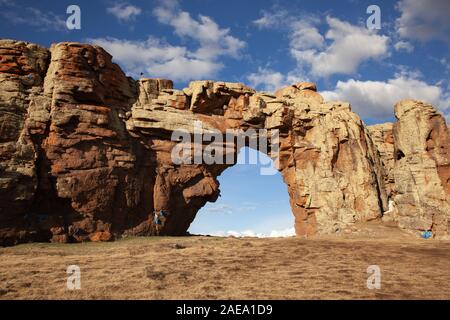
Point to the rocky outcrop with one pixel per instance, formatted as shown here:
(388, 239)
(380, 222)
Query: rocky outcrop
(326, 156)
(86, 153)
(415, 152)
(422, 168)
(383, 138)
(22, 70)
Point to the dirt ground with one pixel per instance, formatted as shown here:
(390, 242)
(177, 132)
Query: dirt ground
(230, 268)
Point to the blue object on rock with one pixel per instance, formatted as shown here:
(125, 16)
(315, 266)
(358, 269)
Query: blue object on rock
(427, 234)
(163, 214)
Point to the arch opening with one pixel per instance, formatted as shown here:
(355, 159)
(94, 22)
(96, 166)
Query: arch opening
(251, 203)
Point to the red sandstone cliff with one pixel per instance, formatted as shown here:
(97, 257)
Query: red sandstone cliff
(85, 152)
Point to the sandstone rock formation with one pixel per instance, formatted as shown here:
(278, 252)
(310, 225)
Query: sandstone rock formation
(383, 138)
(422, 168)
(85, 152)
(415, 152)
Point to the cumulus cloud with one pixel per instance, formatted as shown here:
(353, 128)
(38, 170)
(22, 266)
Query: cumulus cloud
(305, 36)
(158, 58)
(348, 47)
(214, 41)
(341, 50)
(301, 30)
(124, 11)
(375, 99)
(424, 20)
(270, 80)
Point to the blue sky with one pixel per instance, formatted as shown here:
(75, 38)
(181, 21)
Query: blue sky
(266, 44)
(250, 203)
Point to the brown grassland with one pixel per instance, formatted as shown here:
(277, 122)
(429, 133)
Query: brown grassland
(229, 268)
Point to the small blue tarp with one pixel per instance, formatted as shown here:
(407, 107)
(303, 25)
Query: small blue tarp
(427, 234)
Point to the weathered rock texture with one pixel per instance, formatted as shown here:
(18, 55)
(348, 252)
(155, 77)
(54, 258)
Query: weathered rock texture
(417, 156)
(85, 152)
(383, 138)
(415, 152)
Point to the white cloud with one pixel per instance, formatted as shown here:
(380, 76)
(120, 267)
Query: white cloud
(446, 65)
(213, 40)
(275, 18)
(248, 206)
(289, 232)
(349, 47)
(270, 80)
(424, 20)
(229, 209)
(301, 30)
(404, 45)
(33, 17)
(124, 11)
(376, 99)
(157, 58)
(305, 36)
(219, 208)
(341, 50)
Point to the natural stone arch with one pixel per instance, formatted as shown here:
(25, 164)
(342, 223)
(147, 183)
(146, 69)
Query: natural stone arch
(103, 147)
(198, 183)
(85, 151)
(326, 158)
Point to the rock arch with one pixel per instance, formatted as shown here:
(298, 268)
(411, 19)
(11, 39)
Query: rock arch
(85, 151)
(325, 158)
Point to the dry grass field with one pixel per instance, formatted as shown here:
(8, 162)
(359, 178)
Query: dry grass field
(229, 268)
